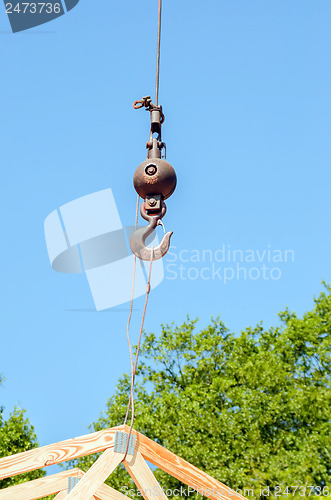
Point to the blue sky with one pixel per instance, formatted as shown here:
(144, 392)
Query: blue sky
(245, 86)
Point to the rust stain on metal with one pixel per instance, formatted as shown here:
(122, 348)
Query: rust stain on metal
(151, 180)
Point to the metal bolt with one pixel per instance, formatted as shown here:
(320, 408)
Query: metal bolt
(150, 169)
(152, 202)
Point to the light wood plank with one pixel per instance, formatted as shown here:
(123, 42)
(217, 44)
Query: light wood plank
(57, 453)
(61, 495)
(96, 475)
(144, 477)
(103, 440)
(39, 488)
(183, 470)
(105, 492)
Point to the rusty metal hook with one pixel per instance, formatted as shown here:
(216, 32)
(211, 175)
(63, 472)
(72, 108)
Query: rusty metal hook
(138, 239)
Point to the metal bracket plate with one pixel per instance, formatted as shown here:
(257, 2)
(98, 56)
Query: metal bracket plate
(153, 202)
(72, 481)
(121, 441)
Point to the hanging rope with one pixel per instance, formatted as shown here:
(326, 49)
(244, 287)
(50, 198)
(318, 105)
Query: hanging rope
(134, 369)
(131, 307)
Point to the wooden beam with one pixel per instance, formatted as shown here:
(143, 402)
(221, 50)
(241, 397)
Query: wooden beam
(39, 488)
(61, 495)
(182, 470)
(105, 492)
(104, 440)
(96, 475)
(57, 453)
(144, 477)
(50, 485)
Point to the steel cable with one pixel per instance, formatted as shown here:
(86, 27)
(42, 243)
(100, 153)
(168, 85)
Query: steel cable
(148, 288)
(158, 55)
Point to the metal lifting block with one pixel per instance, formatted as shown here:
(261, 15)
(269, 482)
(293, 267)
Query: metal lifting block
(72, 481)
(121, 441)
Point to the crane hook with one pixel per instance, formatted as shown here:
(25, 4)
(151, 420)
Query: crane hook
(138, 239)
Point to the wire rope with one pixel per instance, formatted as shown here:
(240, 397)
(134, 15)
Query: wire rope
(148, 288)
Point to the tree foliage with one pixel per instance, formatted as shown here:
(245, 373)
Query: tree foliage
(251, 409)
(17, 435)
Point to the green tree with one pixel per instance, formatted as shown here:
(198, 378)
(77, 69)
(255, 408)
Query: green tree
(251, 409)
(17, 435)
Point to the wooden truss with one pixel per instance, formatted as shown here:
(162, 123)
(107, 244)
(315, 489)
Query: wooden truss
(91, 484)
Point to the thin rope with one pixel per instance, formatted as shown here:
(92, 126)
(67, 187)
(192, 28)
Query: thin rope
(131, 400)
(131, 307)
(158, 55)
